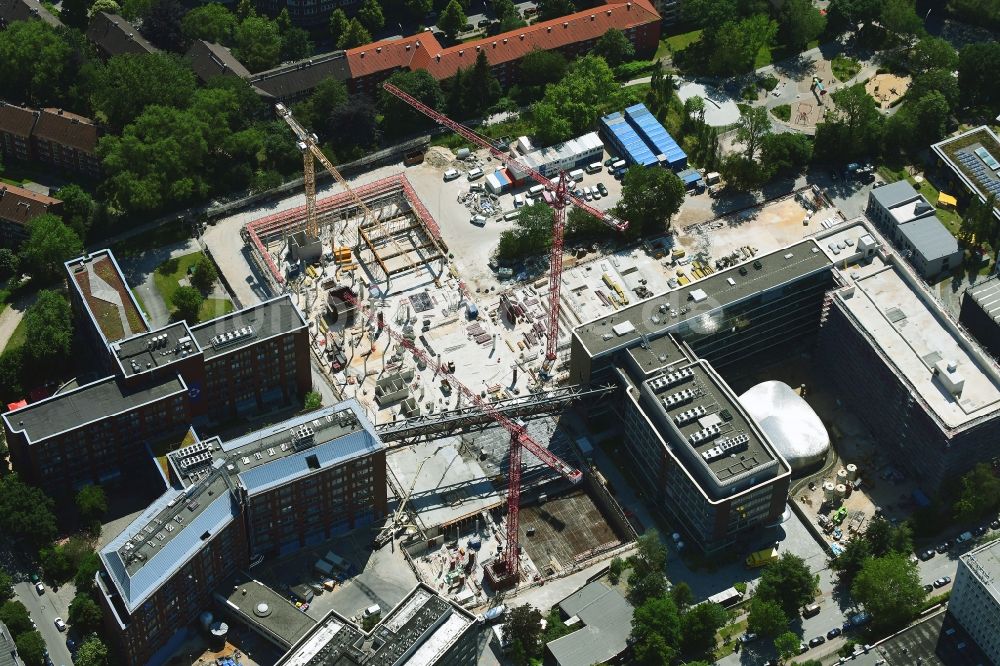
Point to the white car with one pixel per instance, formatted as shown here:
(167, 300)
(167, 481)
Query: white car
(39, 588)
(451, 174)
(60, 625)
(587, 194)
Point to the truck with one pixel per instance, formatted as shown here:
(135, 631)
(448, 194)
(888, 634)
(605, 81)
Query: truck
(762, 557)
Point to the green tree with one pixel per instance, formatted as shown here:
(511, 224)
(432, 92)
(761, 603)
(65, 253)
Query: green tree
(708, 14)
(149, 78)
(91, 502)
(980, 495)
(550, 9)
(531, 234)
(6, 586)
(787, 645)
(338, 24)
(78, 208)
(84, 614)
(15, 616)
(682, 596)
(83, 580)
(38, 64)
(651, 196)
(540, 68)
(799, 23)
(56, 565)
(48, 326)
(615, 569)
(977, 12)
(315, 110)
(734, 46)
(934, 80)
(475, 90)
(370, 15)
(976, 79)
(509, 17)
(766, 617)
(573, 105)
(932, 113)
(313, 401)
(9, 263)
(354, 35)
(848, 14)
(50, 243)
(296, 44)
(211, 22)
(452, 19)
(74, 13)
(522, 626)
(258, 43)
(785, 152)
(754, 125)
(31, 648)
(398, 118)
(656, 628)
(92, 652)
(417, 9)
(614, 47)
(204, 275)
(161, 25)
(852, 129)
(11, 378)
(933, 53)
(187, 302)
(899, 17)
(889, 589)
(789, 582)
(699, 626)
(106, 6)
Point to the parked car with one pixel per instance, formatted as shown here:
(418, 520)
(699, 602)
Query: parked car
(603, 190)
(995, 524)
(833, 633)
(60, 625)
(926, 554)
(945, 546)
(980, 531)
(928, 588)
(40, 588)
(451, 174)
(803, 648)
(942, 581)
(819, 640)
(748, 637)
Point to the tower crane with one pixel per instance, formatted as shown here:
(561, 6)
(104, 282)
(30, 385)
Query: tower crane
(308, 144)
(557, 195)
(506, 569)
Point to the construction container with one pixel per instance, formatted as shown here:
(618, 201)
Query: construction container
(852, 472)
(842, 476)
(841, 490)
(829, 491)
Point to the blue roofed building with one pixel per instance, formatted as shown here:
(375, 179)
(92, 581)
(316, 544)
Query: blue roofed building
(641, 139)
(265, 494)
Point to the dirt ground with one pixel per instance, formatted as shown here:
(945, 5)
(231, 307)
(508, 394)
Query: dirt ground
(887, 88)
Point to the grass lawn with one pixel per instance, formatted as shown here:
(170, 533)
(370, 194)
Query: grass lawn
(138, 299)
(764, 58)
(214, 307)
(844, 68)
(677, 43)
(18, 337)
(782, 112)
(731, 631)
(167, 279)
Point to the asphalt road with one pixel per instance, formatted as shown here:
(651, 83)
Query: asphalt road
(43, 610)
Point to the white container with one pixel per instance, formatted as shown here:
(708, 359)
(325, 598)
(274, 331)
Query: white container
(852, 472)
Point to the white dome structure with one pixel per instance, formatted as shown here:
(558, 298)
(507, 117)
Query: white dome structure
(789, 422)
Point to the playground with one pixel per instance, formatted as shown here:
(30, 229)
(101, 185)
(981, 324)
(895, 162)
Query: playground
(887, 89)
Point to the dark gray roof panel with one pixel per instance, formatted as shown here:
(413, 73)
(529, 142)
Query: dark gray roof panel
(247, 326)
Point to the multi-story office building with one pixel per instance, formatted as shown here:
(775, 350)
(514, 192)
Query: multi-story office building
(975, 597)
(271, 492)
(981, 313)
(422, 629)
(159, 381)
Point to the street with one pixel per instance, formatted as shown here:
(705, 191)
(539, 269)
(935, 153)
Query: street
(44, 609)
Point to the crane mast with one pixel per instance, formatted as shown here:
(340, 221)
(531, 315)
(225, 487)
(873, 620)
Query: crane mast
(557, 195)
(508, 568)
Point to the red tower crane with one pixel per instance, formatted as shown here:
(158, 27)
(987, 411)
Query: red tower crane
(556, 195)
(506, 569)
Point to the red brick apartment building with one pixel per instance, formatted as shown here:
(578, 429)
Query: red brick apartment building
(52, 136)
(158, 381)
(19, 206)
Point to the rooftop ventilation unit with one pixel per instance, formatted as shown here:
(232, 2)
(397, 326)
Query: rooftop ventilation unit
(679, 398)
(689, 415)
(230, 338)
(727, 446)
(704, 434)
(661, 384)
(303, 437)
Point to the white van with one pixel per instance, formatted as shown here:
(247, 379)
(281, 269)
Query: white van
(451, 174)
(474, 174)
(536, 191)
(511, 215)
(478, 220)
(576, 174)
(620, 164)
(594, 168)
(518, 200)
(374, 609)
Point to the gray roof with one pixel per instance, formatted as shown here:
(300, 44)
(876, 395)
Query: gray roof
(209, 59)
(248, 326)
(23, 10)
(285, 623)
(92, 402)
(8, 651)
(893, 193)
(116, 36)
(987, 295)
(607, 620)
(299, 78)
(779, 267)
(154, 349)
(929, 238)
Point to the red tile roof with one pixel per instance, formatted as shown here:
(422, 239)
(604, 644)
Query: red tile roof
(16, 120)
(20, 206)
(67, 129)
(425, 52)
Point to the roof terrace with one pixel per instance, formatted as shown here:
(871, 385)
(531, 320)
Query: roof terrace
(103, 290)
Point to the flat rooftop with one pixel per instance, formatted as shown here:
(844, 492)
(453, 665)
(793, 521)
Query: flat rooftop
(986, 294)
(974, 156)
(247, 326)
(417, 632)
(154, 349)
(914, 333)
(109, 302)
(267, 611)
(984, 563)
(92, 402)
(664, 312)
(707, 419)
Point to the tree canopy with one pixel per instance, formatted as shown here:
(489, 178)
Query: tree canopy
(452, 19)
(799, 22)
(656, 631)
(766, 617)
(976, 78)
(614, 47)
(370, 15)
(573, 105)
(354, 34)
(149, 78)
(789, 582)
(889, 588)
(161, 25)
(522, 626)
(38, 67)
(49, 245)
(853, 129)
(211, 22)
(980, 494)
(187, 302)
(91, 502)
(92, 652)
(699, 626)
(651, 196)
(257, 43)
(31, 648)
(84, 614)
(48, 326)
(26, 512)
(398, 117)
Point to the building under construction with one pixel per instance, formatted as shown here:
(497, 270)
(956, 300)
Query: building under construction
(391, 234)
